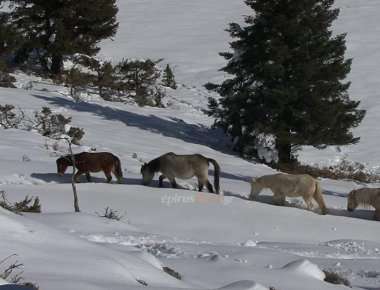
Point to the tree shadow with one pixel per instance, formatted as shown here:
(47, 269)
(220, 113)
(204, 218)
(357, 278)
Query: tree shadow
(174, 127)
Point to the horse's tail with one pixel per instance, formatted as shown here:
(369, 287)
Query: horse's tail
(319, 197)
(117, 169)
(216, 174)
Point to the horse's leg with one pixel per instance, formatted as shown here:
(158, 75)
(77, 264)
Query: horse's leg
(88, 176)
(321, 203)
(161, 180)
(173, 182)
(77, 175)
(376, 216)
(278, 198)
(200, 185)
(209, 187)
(309, 203)
(108, 175)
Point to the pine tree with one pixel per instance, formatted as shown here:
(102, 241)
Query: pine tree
(288, 79)
(168, 79)
(56, 29)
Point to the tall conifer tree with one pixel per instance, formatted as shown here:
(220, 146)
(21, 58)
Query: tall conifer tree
(287, 81)
(58, 28)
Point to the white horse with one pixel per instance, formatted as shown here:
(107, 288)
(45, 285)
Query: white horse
(290, 185)
(366, 197)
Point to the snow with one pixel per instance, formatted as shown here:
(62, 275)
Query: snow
(214, 242)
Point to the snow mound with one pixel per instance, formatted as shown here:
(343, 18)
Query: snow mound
(306, 268)
(244, 285)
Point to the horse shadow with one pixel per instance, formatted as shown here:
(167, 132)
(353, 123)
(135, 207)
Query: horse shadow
(171, 127)
(66, 178)
(363, 214)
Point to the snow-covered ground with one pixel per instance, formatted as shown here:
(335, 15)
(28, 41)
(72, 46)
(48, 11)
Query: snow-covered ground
(214, 242)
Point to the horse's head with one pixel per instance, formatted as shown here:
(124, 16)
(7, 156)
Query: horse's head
(351, 201)
(255, 188)
(147, 174)
(62, 164)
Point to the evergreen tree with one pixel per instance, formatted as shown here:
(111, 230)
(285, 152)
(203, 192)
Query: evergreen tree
(168, 79)
(55, 28)
(288, 79)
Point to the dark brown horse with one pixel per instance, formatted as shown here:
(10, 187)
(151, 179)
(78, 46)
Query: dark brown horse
(92, 162)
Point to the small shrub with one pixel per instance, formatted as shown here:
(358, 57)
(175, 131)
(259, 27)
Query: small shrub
(13, 274)
(49, 124)
(9, 117)
(343, 170)
(335, 278)
(111, 214)
(168, 79)
(77, 81)
(76, 135)
(172, 273)
(6, 80)
(26, 205)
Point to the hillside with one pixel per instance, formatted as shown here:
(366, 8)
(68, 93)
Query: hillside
(214, 242)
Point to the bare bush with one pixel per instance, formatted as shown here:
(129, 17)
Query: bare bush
(336, 278)
(9, 117)
(111, 214)
(13, 273)
(28, 204)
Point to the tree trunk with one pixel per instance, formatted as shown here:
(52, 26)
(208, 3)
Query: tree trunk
(284, 150)
(56, 64)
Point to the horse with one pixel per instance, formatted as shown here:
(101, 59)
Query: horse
(366, 197)
(87, 162)
(184, 167)
(283, 185)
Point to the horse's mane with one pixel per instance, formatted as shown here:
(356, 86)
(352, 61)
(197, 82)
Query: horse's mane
(154, 165)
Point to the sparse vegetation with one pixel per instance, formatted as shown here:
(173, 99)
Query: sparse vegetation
(13, 273)
(111, 214)
(343, 170)
(9, 118)
(172, 273)
(28, 204)
(46, 122)
(168, 79)
(336, 278)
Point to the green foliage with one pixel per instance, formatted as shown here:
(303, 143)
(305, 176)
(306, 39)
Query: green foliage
(168, 79)
(288, 72)
(76, 134)
(77, 81)
(55, 29)
(49, 124)
(138, 77)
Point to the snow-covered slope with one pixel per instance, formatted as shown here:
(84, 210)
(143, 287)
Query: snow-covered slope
(213, 242)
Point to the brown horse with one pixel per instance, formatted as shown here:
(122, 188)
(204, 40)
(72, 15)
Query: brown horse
(92, 162)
